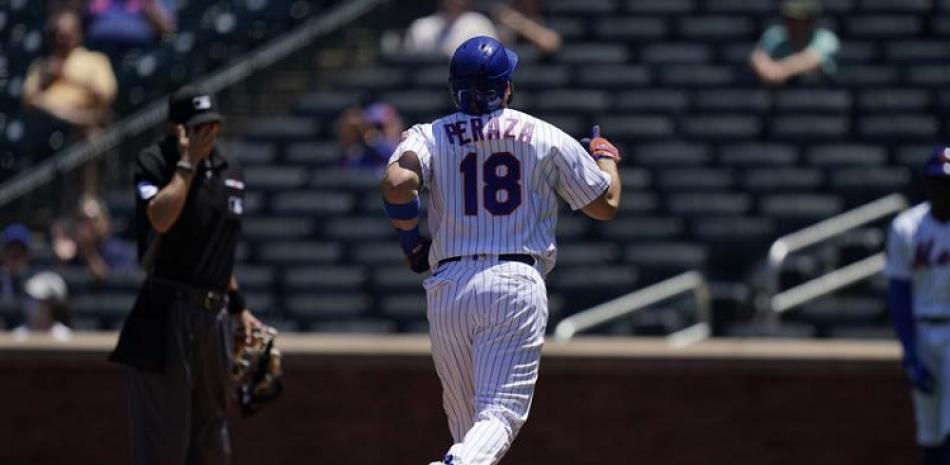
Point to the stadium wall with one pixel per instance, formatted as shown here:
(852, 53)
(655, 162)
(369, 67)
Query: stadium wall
(365, 400)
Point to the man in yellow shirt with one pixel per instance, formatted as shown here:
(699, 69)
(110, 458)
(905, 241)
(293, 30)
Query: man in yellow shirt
(72, 84)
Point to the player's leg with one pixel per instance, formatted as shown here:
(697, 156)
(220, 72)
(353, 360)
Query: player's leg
(160, 403)
(450, 336)
(511, 318)
(932, 411)
(210, 442)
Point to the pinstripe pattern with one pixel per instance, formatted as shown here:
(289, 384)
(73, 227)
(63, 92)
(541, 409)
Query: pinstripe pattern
(487, 318)
(487, 322)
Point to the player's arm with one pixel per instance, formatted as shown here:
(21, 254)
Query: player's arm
(400, 191)
(605, 206)
(900, 302)
(164, 207)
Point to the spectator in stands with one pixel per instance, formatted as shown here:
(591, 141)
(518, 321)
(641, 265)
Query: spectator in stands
(71, 88)
(797, 47)
(46, 308)
(522, 20)
(367, 137)
(14, 261)
(90, 241)
(446, 29)
(123, 24)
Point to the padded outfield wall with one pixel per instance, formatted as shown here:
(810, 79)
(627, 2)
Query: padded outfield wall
(370, 400)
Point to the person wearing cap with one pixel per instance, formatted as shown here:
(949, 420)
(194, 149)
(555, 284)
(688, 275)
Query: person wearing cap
(367, 137)
(177, 339)
(796, 47)
(46, 308)
(14, 262)
(918, 273)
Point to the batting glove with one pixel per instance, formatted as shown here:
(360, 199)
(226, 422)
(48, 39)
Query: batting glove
(600, 147)
(418, 257)
(919, 375)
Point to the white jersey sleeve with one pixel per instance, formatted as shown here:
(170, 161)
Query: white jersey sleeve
(899, 252)
(416, 139)
(579, 180)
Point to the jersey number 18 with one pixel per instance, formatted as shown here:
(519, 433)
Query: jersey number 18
(501, 173)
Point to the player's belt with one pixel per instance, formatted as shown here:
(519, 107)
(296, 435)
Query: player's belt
(934, 320)
(209, 299)
(505, 257)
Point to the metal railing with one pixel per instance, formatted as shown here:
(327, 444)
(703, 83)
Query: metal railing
(152, 115)
(774, 301)
(690, 282)
(827, 283)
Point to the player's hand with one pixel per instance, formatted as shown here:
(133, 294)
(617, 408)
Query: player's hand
(418, 257)
(600, 147)
(919, 375)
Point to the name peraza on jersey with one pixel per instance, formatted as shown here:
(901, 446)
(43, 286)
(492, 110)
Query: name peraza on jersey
(493, 182)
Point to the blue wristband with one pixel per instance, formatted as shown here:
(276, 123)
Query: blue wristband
(406, 211)
(408, 240)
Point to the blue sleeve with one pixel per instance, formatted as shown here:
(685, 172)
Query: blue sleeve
(900, 298)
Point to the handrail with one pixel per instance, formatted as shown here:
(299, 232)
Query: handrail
(152, 115)
(690, 281)
(819, 232)
(828, 283)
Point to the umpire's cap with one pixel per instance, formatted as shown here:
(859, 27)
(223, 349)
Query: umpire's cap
(480, 69)
(801, 9)
(192, 106)
(938, 163)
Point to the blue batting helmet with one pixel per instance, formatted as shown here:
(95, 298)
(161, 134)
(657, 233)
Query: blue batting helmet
(481, 68)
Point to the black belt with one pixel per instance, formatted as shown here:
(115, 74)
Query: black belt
(934, 320)
(505, 257)
(212, 300)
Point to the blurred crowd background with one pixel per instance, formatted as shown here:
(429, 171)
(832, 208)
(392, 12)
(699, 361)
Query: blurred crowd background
(741, 121)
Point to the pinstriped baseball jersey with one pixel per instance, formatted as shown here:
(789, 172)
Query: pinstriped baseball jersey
(493, 182)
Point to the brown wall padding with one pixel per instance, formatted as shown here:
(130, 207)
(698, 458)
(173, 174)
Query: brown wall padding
(60, 407)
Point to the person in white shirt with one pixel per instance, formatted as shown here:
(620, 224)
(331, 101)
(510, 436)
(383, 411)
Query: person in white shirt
(46, 308)
(446, 29)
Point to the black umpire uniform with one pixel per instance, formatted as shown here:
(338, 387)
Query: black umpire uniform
(178, 337)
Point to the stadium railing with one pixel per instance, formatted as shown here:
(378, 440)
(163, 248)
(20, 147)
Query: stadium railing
(773, 302)
(689, 282)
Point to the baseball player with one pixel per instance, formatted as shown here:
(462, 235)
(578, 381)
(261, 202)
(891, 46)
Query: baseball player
(918, 270)
(493, 176)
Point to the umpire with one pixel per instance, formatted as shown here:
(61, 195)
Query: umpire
(177, 339)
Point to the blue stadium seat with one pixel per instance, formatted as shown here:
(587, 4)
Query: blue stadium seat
(613, 76)
(782, 179)
(248, 153)
(593, 53)
(900, 127)
(282, 129)
(733, 100)
(699, 204)
(643, 228)
(327, 278)
(325, 104)
(810, 128)
(636, 127)
(879, 26)
(316, 203)
(322, 153)
(665, 7)
(306, 307)
(895, 100)
(716, 28)
(813, 100)
(722, 127)
(680, 179)
(697, 75)
(587, 253)
(276, 177)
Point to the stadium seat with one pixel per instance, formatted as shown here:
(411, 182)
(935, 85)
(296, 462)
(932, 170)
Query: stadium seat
(397, 278)
(665, 7)
(894, 100)
(715, 28)
(299, 252)
(312, 202)
(614, 76)
(587, 253)
(676, 52)
(322, 153)
(681, 179)
(813, 100)
(636, 127)
(306, 307)
(324, 278)
(697, 75)
(733, 100)
(653, 100)
(631, 28)
(846, 154)
(723, 127)
(325, 104)
(643, 228)
(249, 153)
(810, 128)
(671, 153)
(899, 127)
(878, 26)
(758, 154)
(282, 129)
(701, 204)
(593, 53)
(275, 177)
